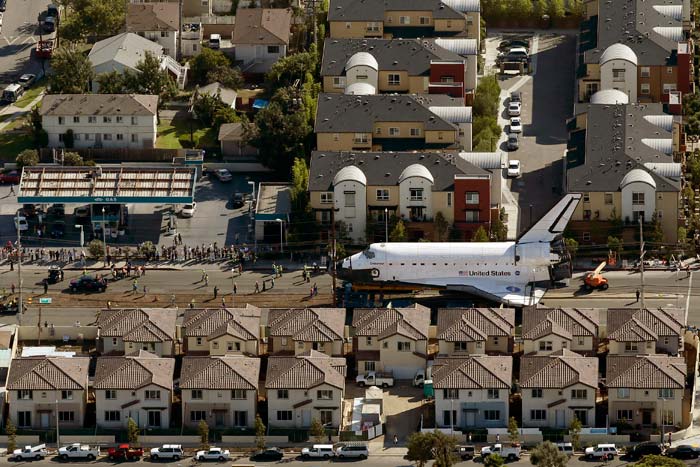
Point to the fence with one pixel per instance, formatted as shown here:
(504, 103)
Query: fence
(119, 155)
(56, 333)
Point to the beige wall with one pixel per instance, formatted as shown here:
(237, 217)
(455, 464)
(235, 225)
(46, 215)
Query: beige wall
(381, 129)
(618, 348)
(302, 416)
(162, 349)
(384, 86)
(135, 411)
(443, 137)
(476, 399)
(337, 141)
(439, 199)
(353, 29)
(558, 343)
(667, 202)
(215, 399)
(457, 25)
(491, 345)
(641, 399)
(45, 402)
(404, 364)
(561, 414)
(392, 18)
(220, 346)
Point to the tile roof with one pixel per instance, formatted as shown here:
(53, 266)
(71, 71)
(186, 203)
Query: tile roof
(373, 10)
(262, 26)
(308, 324)
(633, 325)
(138, 324)
(645, 372)
(134, 372)
(144, 17)
(559, 370)
(566, 322)
(242, 323)
(229, 372)
(411, 322)
(472, 324)
(48, 373)
(475, 372)
(305, 371)
(99, 104)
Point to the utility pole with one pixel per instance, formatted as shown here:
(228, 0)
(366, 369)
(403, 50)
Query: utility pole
(386, 225)
(20, 304)
(641, 263)
(333, 255)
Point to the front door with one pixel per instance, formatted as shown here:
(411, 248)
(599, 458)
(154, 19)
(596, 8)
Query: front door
(470, 419)
(646, 417)
(582, 415)
(154, 418)
(45, 419)
(306, 417)
(219, 418)
(559, 418)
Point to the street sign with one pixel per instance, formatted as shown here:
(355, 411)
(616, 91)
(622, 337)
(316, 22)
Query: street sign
(45, 301)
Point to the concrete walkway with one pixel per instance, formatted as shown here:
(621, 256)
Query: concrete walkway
(17, 112)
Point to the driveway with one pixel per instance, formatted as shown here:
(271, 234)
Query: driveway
(402, 406)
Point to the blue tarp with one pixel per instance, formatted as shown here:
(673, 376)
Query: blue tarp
(260, 103)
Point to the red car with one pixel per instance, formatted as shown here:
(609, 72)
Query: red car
(125, 452)
(10, 177)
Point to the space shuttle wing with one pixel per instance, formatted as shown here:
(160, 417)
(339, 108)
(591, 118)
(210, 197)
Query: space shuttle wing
(554, 222)
(513, 293)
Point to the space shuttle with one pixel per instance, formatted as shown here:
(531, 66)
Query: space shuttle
(513, 273)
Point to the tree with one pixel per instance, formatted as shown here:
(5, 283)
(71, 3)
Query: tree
(513, 430)
(92, 18)
(11, 432)
(499, 230)
(259, 433)
(300, 184)
(41, 138)
(571, 246)
(444, 447)
(71, 71)
(227, 76)
(225, 114)
(206, 61)
(279, 136)
(206, 106)
(659, 461)
(316, 430)
(132, 429)
(398, 233)
(151, 79)
(556, 9)
(27, 158)
(522, 9)
(69, 139)
(614, 244)
(548, 455)
(96, 248)
(493, 460)
(654, 233)
(480, 235)
(540, 8)
(682, 236)
(420, 448)
(110, 83)
(575, 431)
(203, 433)
(441, 226)
(287, 70)
(73, 159)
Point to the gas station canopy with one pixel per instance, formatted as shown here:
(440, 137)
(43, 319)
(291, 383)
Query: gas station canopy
(145, 185)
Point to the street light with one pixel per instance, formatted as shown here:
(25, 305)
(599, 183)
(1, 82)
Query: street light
(82, 235)
(386, 225)
(281, 235)
(104, 235)
(253, 185)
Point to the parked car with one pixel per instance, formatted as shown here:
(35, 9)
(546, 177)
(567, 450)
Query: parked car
(423, 375)
(516, 125)
(12, 93)
(465, 452)
(373, 378)
(10, 177)
(213, 454)
(352, 450)
(58, 229)
(49, 24)
(514, 168)
(602, 451)
(26, 80)
(566, 448)
(87, 284)
(238, 200)
(223, 175)
(267, 454)
(78, 451)
(52, 10)
(518, 53)
(188, 210)
(167, 451)
(57, 210)
(125, 452)
(516, 96)
(37, 452)
(514, 109)
(644, 449)
(511, 43)
(510, 453)
(21, 223)
(318, 451)
(3, 5)
(684, 451)
(513, 143)
(82, 211)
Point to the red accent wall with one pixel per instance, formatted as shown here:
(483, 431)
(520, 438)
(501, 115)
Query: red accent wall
(685, 62)
(483, 187)
(454, 70)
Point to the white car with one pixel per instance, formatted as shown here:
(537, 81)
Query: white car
(516, 125)
(514, 168)
(318, 451)
(21, 223)
(514, 109)
(602, 451)
(188, 210)
(213, 454)
(223, 175)
(167, 451)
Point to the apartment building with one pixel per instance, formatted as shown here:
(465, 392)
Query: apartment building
(401, 122)
(129, 330)
(157, 22)
(624, 159)
(294, 331)
(368, 191)
(100, 120)
(548, 331)
(646, 331)
(642, 48)
(222, 331)
(473, 331)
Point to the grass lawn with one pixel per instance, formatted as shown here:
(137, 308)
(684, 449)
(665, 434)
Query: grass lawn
(14, 142)
(29, 96)
(175, 134)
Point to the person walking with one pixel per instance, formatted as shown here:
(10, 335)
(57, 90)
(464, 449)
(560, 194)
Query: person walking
(235, 289)
(206, 279)
(637, 294)
(272, 282)
(396, 440)
(172, 300)
(192, 303)
(12, 288)
(145, 290)
(12, 189)
(46, 286)
(257, 287)
(216, 291)
(135, 286)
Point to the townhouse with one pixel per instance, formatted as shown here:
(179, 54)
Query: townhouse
(415, 66)
(399, 18)
(221, 390)
(296, 331)
(43, 391)
(642, 48)
(401, 122)
(624, 159)
(158, 22)
(369, 191)
(100, 120)
(646, 390)
(127, 331)
(222, 331)
(305, 387)
(137, 386)
(549, 330)
(391, 339)
(261, 37)
(557, 388)
(645, 331)
(471, 331)
(472, 391)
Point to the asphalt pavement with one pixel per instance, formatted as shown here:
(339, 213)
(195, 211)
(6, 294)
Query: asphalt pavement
(19, 33)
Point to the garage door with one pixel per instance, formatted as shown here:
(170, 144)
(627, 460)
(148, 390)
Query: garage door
(403, 372)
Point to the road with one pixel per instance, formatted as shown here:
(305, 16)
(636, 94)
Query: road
(20, 28)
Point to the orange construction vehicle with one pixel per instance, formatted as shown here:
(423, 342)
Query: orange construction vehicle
(595, 279)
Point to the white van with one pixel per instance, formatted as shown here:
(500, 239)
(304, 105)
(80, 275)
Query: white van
(566, 448)
(12, 92)
(215, 41)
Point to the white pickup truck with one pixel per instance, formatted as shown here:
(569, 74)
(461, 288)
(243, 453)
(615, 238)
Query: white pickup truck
(37, 452)
(373, 378)
(78, 451)
(511, 453)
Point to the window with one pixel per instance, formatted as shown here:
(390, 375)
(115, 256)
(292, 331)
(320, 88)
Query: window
(582, 416)
(76, 119)
(327, 197)
(608, 198)
(66, 416)
(360, 138)
(472, 197)
(415, 131)
(92, 119)
(112, 415)
(587, 214)
(492, 394)
(348, 25)
(61, 137)
(370, 366)
(198, 415)
(197, 394)
(586, 197)
(273, 49)
(447, 79)
(106, 119)
(579, 394)
(618, 74)
(373, 26)
(240, 418)
(120, 137)
(394, 79)
(545, 345)
(623, 393)
(450, 393)
(537, 393)
(25, 394)
(120, 119)
(424, 20)
(668, 87)
(283, 393)
(382, 195)
(586, 236)
(199, 341)
(644, 72)
(669, 70)
(471, 216)
(403, 346)
(326, 417)
(624, 414)
(644, 88)
(349, 199)
(667, 417)
(110, 394)
(361, 77)
(404, 20)
(24, 419)
(339, 82)
(666, 393)
(449, 199)
(154, 418)
(231, 346)
(630, 346)
(492, 414)
(324, 394)
(61, 120)
(284, 415)
(460, 346)
(239, 394)
(134, 138)
(107, 137)
(394, 131)
(152, 395)
(638, 198)
(449, 417)
(134, 120)
(538, 414)
(67, 395)
(165, 34)
(416, 194)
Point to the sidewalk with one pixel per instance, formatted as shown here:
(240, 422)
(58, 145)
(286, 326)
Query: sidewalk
(17, 112)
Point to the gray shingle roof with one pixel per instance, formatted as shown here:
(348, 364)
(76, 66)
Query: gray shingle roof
(308, 324)
(138, 324)
(69, 105)
(475, 372)
(385, 168)
(578, 322)
(471, 324)
(126, 48)
(305, 371)
(411, 322)
(373, 10)
(626, 324)
(229, 372)
(262, 26)
(342, 113)
(559, 370)
(645, 372)
(134, 372)
(48, 373)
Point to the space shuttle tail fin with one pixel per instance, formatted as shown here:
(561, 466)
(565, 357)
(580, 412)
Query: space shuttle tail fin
(553, 223)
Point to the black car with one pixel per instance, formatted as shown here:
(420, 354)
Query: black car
(644, 449)
(269, 454)
(58, 230)
(57, 210)
(237, 200)
(3, 5)
(684, 451)
(87, 284)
